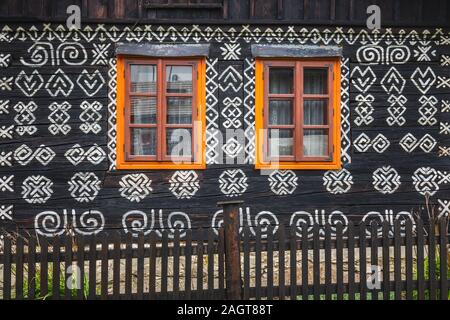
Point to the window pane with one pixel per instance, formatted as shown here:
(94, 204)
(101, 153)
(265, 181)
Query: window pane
(315, 142)
(281, 80)
(143, 78)
(280, 112)
(143, 141)
(143, 110)
(281, 142)
(179, 79)
(315, 112)
(179, 110)
(315, 81)
(179, 142)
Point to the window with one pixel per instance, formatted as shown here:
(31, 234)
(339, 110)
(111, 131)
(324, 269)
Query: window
(160, 116)
(297, 114)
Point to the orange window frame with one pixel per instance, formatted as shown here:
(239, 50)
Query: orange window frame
(127, 162)
(298, 161)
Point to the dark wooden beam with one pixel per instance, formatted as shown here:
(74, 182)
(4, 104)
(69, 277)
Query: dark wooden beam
(280, 9)
(333, 10)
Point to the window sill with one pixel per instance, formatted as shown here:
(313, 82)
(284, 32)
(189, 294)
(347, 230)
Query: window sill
(159, 166)
(299, 166)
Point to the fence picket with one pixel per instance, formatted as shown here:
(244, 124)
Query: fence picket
(116, 265)
(152, 271)
(328, 262)
(176, 264)
(221, 245)
(199, 269)
(293, 263)
(374, 253)
(386, 261)
(56, 267)
(188, 264)
(164, 263)
(210, 264)
(80, 264)
(409, 260)
(397, 260)
(31, 268)
(305, 270)
(104, 268)
(7, 267)
(258, 262)
(351, 261)
(92, 267)
(68, 274)
(19, 268)
(281, 258)
(270, 262)
(339, 262)
(246, 262)
(443, 258)
(420, 261)
(140, 266)
(432, 260)
(316, 262)
(362, 262)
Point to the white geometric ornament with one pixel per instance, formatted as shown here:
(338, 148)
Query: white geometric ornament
(230, 78)
(4, 106)
(386, 180)
(24, 155)
(37, 189)
(6, 132)
(338, 182)
(6, 212)
(409, 143)
(364, 109)
(100, 54)
(7, 183)
(363, 79)
(425, 181)
(232, 148)
(84, 186)
(444, 128)
(90, 83)
(59, 84)
(29, 84)
(380, 143)
(443, 82)
(233, 182)
(423, 79)
(232, 113)
(6, 84)
(184, 184)
(6, 159)
(231, 51)
(283, 182)
(135, 187)
(444, 208)
(90, 116)
(396, 110)
(59, 117)
(393, 82)
(77, 154)
(5, 60)
(25, 118)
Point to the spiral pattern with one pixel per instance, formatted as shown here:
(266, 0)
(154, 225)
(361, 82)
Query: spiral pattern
(50, 224)
(91, 222)
(72, 53)
(135, 222)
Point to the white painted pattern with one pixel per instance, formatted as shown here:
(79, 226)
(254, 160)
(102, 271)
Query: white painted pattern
(5, 60)
(300, 219)
(6, 83)
(135, 187)
(6, 132)
(100, 53)
(4, 106)
(249, 110)
(283, 182)
(6, 212)
(29, 84)
(37, 189)
(230, 79)
(231, 51)
(184, 184)
(84, 186)
(390, 217)
(423, 79)
(338, 182)
(91, 116)
(409, 143)
(425, 181)
(24, 155)
(91, 83)
(7, 183)
(25, 118)
(393, 82)
(59, 117)
(233, 182)
(6, 158)
(59, 84)
(364, 109)
(386, 180)
(362, 78)
(93, 154)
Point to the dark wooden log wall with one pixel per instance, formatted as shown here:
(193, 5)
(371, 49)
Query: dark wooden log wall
(429, 49)
(319, 12)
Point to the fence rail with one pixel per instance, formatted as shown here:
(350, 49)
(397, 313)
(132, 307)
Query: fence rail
(273, 262)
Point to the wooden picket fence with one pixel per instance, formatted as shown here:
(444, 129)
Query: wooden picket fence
(275, 262)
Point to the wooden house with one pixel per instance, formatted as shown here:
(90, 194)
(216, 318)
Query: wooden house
(294, 106)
